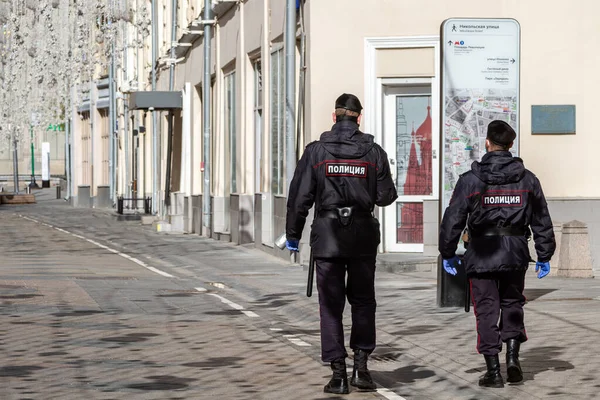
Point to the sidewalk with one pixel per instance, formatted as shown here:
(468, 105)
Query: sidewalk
(424, 352)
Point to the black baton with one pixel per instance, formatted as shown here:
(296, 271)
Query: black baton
(311, 273)
(467, 295)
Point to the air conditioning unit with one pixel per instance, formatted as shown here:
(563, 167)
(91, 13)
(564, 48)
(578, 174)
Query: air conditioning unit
(222, 6)
(131, 86)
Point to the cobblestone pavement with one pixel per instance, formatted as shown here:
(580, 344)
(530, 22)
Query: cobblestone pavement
(101, 309)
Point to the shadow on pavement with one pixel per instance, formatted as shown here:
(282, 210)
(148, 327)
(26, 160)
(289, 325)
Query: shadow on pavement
(408, 374)
(541, 359)
(18, 371)
(163, 382)
(534, 294)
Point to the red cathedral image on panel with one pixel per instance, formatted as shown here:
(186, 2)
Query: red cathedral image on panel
(418, 182)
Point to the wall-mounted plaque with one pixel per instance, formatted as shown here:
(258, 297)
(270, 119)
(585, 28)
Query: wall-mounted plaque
(553, 120)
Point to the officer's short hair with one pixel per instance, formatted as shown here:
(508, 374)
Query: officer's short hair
(340, 112)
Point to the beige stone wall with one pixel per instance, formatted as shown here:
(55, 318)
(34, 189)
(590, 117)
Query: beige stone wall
(241, 36)
(557, 67)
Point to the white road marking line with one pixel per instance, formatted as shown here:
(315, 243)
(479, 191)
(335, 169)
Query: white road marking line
(276, 329)
(117, 252)
(296, 341)
(158, 271)
(250, 314)
(235, 306)
(229, 303)
(30, 219)
(97, 244)
(388, 394)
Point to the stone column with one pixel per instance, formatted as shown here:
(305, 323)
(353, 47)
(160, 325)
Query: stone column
(575, 255)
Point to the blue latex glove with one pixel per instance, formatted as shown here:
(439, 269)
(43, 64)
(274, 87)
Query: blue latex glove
(451, 264)
(543, 268)
(291, 245)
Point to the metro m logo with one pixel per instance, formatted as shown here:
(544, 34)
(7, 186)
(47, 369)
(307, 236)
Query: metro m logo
(355, 170)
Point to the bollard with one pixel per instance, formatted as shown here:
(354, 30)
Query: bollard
(58, 194)
(147, 204)
(120, 205)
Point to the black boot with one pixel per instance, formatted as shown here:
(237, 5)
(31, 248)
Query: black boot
(339, 381)
(361, 377)
(513, 366)
(492, 377)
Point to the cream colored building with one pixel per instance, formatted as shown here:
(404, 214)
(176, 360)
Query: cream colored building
(378, 50)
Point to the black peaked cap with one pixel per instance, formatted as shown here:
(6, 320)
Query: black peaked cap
(501, 133)
(349, 102)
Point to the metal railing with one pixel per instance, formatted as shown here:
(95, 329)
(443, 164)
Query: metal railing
(132, 204)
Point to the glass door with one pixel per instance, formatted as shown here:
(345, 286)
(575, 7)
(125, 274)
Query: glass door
(408, 138)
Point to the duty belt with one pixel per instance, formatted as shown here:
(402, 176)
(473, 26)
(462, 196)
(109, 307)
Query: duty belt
(344, 212)
(501, 231)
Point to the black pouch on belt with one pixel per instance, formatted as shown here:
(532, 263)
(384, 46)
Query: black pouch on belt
(345, 216)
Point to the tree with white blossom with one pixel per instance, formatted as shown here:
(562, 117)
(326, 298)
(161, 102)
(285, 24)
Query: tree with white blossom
(48, 47)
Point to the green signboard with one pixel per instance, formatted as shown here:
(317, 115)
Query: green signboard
(56, 127)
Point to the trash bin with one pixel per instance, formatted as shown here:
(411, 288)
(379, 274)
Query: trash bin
(58, 192)
(120, 205)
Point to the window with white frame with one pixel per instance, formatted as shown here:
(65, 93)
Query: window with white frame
(214, 115)
(86, 146)
(230, 128)
(105, 141)
(258, 124)
(277, 121)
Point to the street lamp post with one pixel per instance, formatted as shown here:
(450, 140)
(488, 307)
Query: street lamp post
(32, 184)
(15, 162)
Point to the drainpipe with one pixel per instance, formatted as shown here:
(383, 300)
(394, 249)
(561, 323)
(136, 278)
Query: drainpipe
(154, 115)
(171, 87)
(126, 106)
(67, 154)
(301, 86)
(92, 133)
(111, 123)
(15, 160)
(290, 89)
(206, 208)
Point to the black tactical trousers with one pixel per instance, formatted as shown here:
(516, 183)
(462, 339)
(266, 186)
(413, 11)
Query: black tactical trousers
(360, 289)
(498, 297)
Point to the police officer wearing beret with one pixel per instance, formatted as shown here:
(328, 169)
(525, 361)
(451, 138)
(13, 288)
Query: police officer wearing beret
(498, 200)
(345, 174)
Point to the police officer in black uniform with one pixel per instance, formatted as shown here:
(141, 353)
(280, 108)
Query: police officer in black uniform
(345, 174)
(498, 200)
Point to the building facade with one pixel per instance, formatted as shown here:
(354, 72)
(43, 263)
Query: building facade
(388, 54)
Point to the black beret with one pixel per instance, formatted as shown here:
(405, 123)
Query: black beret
(349, 102)
(500, 133)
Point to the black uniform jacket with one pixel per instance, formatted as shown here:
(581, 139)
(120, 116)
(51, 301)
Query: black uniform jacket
(344, 168)
(497, 194)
